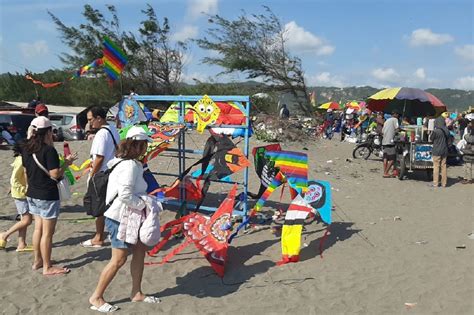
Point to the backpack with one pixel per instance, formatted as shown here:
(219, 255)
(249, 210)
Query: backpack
(94, 199)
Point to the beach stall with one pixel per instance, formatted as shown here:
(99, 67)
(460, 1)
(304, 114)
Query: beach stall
(413, 151)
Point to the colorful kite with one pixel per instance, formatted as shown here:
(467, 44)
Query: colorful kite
(208, 235)
(291, 234)
(294, 165)
(164, 132)
(206, 113)
(114, 61)
(319, 197)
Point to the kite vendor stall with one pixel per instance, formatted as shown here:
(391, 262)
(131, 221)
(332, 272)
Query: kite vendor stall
(225, 117)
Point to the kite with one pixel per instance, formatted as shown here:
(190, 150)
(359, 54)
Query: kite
(319, 197)
(292, 228)
(130, 112)
(209, 235)
(205, 112)
(172, 114)
(164, 132)
(294, 165)
(113, 61)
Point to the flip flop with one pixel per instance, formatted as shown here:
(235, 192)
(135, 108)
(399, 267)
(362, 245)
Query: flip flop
(3, 244)
(88, 244)
(105, 308)
(388, 176)
(27, 248)
(63, 272)
(149, 299)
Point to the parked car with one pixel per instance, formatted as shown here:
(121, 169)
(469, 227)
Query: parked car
(17, 123)
(69, 123)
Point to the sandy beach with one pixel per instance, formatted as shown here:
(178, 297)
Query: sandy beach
(392, 242)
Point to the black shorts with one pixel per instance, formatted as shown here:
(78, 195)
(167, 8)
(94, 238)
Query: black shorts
(389, 152)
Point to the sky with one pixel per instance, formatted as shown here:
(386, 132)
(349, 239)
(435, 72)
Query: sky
(381, 43)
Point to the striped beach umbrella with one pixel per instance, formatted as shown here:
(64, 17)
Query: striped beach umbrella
(330, 105)
(409, 102)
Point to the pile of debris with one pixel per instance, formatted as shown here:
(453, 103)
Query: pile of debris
(270, 128)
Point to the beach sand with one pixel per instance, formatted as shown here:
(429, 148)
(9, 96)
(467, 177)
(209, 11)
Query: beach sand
(372, 263)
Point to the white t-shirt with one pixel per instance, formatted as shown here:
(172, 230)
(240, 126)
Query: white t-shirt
(104, 145)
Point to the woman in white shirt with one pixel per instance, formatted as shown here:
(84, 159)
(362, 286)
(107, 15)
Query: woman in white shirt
(125, 188)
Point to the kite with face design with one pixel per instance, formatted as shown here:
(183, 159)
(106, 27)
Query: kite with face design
(206, 112)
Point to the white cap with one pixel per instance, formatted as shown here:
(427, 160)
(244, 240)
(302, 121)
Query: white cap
(41, 122)
(138, 133)
(329, 110)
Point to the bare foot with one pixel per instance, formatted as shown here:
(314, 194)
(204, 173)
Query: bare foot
(52, 271)
(37, 265)
(138, 297)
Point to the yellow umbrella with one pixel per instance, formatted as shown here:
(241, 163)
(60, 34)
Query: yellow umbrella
(330, 105)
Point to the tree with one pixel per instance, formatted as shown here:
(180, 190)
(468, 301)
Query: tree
(154, 57)
(255, 45)
(154, 63)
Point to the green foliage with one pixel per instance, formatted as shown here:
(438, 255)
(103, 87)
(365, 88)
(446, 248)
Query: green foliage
(255, 45)
(154, 63)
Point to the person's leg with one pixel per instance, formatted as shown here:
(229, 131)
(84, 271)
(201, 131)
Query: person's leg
(46, 245)
(136, 269)
(385, 170)
(20, 226)
(444, 172)
(119, 257)
(37, 233)
(389, 166)
(436, 162)
(99, 236)
(26, 220)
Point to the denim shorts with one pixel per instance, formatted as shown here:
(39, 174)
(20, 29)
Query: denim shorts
(21, 206)
(112, 226)
(46, 209)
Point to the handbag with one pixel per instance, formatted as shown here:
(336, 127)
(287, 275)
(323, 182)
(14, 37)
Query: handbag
(62, 183)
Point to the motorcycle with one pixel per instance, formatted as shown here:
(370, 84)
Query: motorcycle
(373, 144)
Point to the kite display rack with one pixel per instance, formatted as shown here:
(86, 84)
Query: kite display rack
(181, 100)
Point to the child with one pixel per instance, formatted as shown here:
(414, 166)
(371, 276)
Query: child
(18, 190)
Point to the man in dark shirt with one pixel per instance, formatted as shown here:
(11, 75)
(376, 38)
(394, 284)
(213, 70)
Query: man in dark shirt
(463, 122)
(440, 138)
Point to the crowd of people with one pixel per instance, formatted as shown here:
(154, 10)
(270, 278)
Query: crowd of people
(443, 132)
(34, 188)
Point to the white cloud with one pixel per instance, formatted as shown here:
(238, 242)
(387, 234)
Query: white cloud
(44, 25)
(385, 74)
(198, 7)
(325, 79)
(37, 48)
(466, 52)
(425, 37)
(420, 74)
(186, 32)
(464, 83)
(303, 41)
(191, 78)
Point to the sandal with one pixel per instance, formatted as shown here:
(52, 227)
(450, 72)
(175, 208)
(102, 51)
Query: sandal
(88, 244)
(149, 299)
(3, 244)
(105, 308)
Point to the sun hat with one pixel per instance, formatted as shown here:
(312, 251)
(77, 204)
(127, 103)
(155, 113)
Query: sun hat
(41, 122)
(138, 133)
(41, 108)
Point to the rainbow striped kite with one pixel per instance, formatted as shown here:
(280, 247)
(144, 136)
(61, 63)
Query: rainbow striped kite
(114, 59)
(294, 165)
